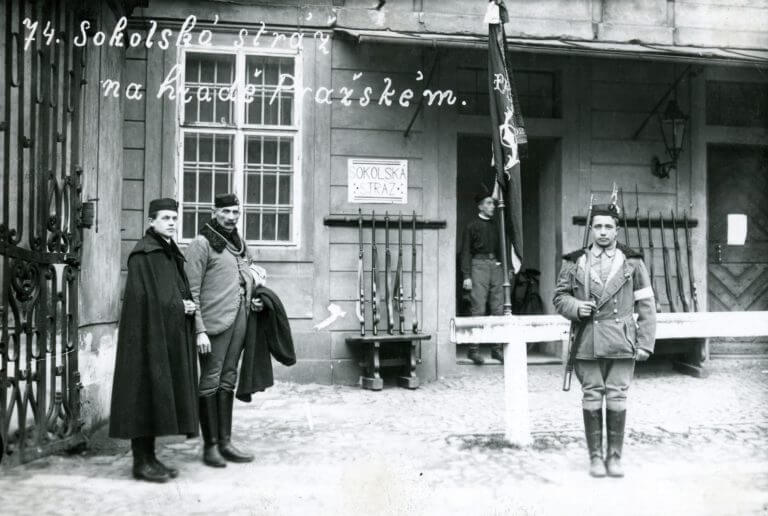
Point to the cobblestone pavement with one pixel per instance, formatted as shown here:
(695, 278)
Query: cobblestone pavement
(693, 447)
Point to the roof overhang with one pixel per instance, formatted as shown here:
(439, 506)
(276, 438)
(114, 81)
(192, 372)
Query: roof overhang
(700, 55)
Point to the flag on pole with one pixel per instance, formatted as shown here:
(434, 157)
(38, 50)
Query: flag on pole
(508, 134)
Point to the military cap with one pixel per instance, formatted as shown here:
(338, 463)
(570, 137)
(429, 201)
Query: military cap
(165, 203)
(224, 200)
(610, 210)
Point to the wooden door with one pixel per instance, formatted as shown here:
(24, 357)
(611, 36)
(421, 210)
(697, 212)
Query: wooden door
(738, 275)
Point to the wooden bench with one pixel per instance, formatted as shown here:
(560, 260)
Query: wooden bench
(404, 347)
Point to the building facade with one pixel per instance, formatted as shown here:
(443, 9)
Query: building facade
(590, 75)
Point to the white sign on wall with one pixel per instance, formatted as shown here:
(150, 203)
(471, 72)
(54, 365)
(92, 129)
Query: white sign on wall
(377, 181)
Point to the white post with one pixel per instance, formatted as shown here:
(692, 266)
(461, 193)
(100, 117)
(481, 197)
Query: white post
(517, 425)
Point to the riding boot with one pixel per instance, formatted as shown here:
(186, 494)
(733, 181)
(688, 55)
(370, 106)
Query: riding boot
(615, 420)
(143, 467)
(226, 448)
(593, 428)
(172, 472)
(209, 425)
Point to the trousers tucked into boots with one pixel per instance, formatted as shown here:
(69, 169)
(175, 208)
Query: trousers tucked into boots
(615, 421)
(227, 450)
(145, 464)
(209, 424)
(593, 428)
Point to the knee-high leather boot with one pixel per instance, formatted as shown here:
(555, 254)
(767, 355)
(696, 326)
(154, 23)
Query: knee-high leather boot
(615, 421)
(226, 448)
(209, 424)
(143, 466)
(593, 428)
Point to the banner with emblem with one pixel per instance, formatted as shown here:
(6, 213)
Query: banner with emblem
(508, 133)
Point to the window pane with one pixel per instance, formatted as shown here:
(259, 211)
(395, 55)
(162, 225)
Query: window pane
(190, 186)
(737, 104)
(205, 76)
(252, 226)
(205, 145)
(203, 216)
(253, 188)
(189, 224)
(263, 77)
(206, 184)
(270, 189)
(284, 190)
(284, 226)
(269, 225)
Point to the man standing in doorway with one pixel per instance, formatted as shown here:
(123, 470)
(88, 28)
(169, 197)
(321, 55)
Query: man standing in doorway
(608, 341)
(154, 389)
(481, 268)
(218, 268)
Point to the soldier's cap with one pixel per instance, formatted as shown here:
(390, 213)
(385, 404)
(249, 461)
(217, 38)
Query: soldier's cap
(482, 193)
(610, 210)
(224, 200)
(165, 203)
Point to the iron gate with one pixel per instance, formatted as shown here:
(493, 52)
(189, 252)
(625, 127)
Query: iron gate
(40, 231)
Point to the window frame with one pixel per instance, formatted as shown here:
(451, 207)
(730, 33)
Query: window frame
(239, 130)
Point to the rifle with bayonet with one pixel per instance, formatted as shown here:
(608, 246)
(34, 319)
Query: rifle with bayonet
(667, 271)
(398, 286)
(572, 343)
(387, 265)
(624, 217)
(691, 281)
(374, 293)
(637, 221)
(651, 266)
(679, 266)
(360, 306)
(414, 311)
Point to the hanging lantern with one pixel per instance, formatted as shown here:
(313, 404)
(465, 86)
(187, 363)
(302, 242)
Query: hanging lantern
(673, 123)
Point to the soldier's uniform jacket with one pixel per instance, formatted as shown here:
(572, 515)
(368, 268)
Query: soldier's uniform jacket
(217, 273)
(612, 332)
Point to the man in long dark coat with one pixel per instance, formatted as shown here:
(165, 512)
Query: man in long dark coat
(154, 391)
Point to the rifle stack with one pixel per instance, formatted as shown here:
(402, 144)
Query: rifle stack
(680, 268)
(394, 303)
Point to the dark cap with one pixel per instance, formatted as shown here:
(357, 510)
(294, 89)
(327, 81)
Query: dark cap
(482, 193)
(610, 210)
(224, 200)
(163, 204)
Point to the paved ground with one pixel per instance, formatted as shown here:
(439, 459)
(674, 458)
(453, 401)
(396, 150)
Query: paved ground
(694, 447)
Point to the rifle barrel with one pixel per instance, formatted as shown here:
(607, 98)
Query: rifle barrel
(667, 271)
(691, 281)
(679, 266)
(374, 290)
(414, 311)
(360, 281)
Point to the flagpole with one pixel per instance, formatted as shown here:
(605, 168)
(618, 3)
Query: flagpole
(507, 286)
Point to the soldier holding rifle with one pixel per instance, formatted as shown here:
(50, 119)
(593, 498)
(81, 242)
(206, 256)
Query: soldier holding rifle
(599, 289)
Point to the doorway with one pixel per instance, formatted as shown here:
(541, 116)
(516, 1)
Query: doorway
(737, 275)
(540, 171)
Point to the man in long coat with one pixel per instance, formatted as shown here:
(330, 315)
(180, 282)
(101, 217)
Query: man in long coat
(601, 290)
(155, 382)
(220, 280)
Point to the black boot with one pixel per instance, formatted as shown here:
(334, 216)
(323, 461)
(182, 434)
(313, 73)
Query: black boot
(615, 420)
(172, 472)
(143, 467)
(209, 424)
(593, 428)
(474, 355)
(497, 354)
(226, 448)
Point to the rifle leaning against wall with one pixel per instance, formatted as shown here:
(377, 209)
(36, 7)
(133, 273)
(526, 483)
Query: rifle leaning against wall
(624, 217)
(374, 273)
(572, 344)
(360, 305)
(387, 266)
(667, 271)
(398, 286)
(650, 264)
(692, 282)
(414, 311)
(679, 266)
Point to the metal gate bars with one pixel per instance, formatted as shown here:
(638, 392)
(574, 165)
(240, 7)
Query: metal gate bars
(40, 230)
